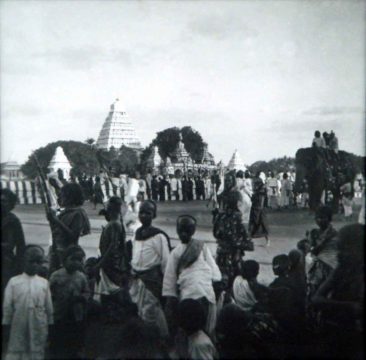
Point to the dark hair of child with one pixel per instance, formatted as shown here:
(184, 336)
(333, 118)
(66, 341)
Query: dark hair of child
(280, 264)
(191, 316)
(249, 269)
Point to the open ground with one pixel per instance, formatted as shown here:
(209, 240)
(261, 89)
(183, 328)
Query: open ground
(287, 227)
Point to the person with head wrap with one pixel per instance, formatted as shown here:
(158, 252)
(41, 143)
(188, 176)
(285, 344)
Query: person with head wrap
(150, 251)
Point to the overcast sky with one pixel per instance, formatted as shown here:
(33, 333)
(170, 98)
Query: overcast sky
(257, 76)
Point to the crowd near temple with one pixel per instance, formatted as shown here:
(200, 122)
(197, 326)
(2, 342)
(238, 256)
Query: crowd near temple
(141, 298)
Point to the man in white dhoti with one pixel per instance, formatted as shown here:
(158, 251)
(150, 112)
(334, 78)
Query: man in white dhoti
(150, 251)
(190, 272)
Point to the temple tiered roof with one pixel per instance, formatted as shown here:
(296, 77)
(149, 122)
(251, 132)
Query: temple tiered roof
(118, 129)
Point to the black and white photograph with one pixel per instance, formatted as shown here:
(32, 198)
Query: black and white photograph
(182, 179)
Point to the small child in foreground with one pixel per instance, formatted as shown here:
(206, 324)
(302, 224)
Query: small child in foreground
(191, 319)
(27, 309)
(70, 291)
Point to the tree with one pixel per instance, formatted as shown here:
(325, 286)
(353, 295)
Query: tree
(81, 156)
(193, 143)
(90, 141)
(127, 160)
(167, 141)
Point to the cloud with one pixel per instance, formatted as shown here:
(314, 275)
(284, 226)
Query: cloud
(333, 110)
(21, 110)
(219, 26)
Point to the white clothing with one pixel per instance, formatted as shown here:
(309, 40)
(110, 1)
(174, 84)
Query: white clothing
(208, 187)
(174, 184)
(319, 142)
(27, 307)
(201, 347)
(133, 187)
(272, 186)
(286, 188)
(361, 216)
(149, 308)
(151, 252)
(243, 295)
(131, 219)
(272, 192)
(195, 281)
(142, 185)
(105, 286)
(246, 190)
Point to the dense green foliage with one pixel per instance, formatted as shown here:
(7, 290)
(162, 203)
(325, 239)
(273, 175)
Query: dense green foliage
(84, 158)
(167, 141)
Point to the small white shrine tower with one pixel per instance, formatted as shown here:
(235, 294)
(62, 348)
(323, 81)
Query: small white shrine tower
(236, 162)
(60, 161)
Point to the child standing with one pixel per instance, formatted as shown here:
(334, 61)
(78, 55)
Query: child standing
(69, 289)
(27, 309)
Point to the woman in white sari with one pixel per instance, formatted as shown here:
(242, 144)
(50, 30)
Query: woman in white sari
(244, 185)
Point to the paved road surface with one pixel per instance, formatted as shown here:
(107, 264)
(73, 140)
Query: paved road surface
(286, 228)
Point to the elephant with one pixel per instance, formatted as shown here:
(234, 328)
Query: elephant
(324, 170)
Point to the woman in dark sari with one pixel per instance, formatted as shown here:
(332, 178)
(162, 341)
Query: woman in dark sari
(258, 224)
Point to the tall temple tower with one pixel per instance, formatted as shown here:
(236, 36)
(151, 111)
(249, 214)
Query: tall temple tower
(118, 130)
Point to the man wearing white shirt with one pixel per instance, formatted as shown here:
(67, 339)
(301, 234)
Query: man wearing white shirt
(190, 272)
(174, 185)
(150, 251)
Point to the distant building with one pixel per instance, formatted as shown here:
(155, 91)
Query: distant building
(118, 130)
(180, 162)
(10, 170)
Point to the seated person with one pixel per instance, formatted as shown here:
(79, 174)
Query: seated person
(248, 293)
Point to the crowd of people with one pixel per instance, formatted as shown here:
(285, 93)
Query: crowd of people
(278, 188)
(141, 298)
